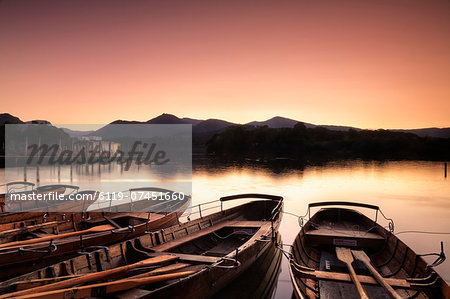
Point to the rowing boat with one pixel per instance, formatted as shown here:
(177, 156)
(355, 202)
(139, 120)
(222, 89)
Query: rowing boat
(38, 242)
(341, 253)
(194, 259)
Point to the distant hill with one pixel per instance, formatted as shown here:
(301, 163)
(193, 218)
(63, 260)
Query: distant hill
(192, 121)
(318, 145)
(211, 125)
(166, 118)
(430, 132)
(76, 134)
(122, 122)
(6, 118)
(278, 122)
(338, 128)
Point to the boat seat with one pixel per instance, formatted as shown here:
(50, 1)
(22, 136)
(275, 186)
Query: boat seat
(193, 258)
(208, 230)
(343, 237)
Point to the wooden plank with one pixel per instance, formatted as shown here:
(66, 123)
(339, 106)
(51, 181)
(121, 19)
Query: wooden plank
(344, 277)
(190, 257)
(343, 233)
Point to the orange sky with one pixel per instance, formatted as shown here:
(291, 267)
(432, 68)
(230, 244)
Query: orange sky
(363, 63)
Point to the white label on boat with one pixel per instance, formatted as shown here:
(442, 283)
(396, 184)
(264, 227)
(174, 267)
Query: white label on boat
(345, 242)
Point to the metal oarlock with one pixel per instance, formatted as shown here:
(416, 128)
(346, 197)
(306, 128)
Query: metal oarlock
(51, 248)
(440, 256)
(236, 263)
(131, 229)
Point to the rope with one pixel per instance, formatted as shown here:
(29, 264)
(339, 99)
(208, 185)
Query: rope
(422, 232)
(299, 218)
(286, 253)
(235, 232)
(292, 214)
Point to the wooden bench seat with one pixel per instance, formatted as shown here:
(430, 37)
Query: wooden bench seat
(205, 231)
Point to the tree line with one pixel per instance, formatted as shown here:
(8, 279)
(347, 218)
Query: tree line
(302, 143)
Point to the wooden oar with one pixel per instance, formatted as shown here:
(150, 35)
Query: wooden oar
(362, 256)
(94, 229)
(93, 276)
(345, 255)
(162, 270)
(27, 284)
(25, 229)
(102, 289)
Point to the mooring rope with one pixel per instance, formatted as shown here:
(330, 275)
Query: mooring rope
(422, 232)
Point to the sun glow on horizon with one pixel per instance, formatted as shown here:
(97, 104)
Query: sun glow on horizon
(369, 64)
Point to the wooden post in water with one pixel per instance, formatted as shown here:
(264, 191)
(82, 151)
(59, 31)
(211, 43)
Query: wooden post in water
(26, 154)
(38, 179)
(71, 164)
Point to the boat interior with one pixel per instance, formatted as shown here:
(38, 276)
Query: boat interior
(319, 272)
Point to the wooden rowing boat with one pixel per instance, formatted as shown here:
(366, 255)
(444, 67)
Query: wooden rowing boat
(36, 243)
(341, 253)
(197, 258)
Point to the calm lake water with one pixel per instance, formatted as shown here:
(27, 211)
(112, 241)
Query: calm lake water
(415, 194)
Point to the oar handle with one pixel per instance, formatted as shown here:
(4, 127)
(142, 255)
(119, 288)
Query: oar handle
(355, 280)
(383, 282)
(362, 256)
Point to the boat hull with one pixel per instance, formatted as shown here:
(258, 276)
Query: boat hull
(316, 271)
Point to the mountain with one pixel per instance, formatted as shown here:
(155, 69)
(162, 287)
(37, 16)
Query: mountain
(6, 118)
(430, 132)
(76, 134)
(124, 122)
(210, 125)
(282, 122)
(192, 121)
(338, 128)
(166, 118)
(278, 122)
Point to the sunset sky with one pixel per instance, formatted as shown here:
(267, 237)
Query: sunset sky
(364, 63)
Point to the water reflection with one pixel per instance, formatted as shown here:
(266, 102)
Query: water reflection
(259, 281)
